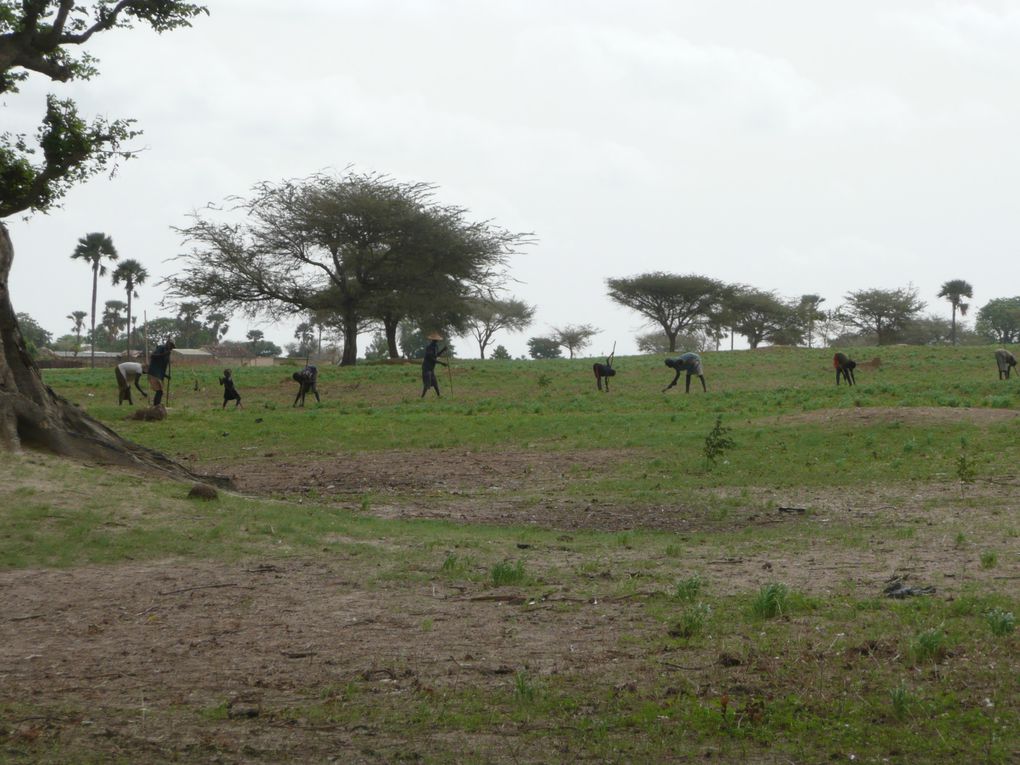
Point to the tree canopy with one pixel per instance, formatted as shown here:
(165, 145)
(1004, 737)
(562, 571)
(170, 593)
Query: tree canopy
(760, 316)
(999, 320)
(574, 337)
(882, 313)
(39, 36)
(362, 246)
(487, 316)
(671, 301)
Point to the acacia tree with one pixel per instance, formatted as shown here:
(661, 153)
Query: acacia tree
(955, 290)
(671, 301)
(132, 273)
(357, 245)
(809, 311)
(40, 37)
(758, 315)
(574, 337)
(881, 313)
(93, 249)
(999, 320)
(487, 316)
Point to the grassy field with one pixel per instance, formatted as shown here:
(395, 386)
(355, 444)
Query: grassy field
(527, 570)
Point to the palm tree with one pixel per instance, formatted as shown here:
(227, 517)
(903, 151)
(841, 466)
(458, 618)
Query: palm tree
(132, 273)
(78, 317)
(954, 291)
(92, 248)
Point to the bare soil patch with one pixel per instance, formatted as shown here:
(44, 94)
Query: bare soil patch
(913, 415)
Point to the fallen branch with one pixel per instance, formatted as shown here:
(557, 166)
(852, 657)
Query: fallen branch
(198, 587)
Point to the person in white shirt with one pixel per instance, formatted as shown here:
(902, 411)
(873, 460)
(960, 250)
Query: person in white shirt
(128, 372)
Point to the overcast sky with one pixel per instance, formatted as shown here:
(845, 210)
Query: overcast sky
(794, 145)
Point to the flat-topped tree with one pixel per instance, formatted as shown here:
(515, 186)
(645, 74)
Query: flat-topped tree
(358, 246)
(42, 37)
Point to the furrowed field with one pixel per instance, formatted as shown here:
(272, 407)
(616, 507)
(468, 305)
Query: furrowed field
(527, 570)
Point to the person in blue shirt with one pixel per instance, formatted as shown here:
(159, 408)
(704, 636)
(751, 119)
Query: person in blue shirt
(691, 364)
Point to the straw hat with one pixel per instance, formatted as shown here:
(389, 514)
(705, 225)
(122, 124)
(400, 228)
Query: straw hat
(433, 336)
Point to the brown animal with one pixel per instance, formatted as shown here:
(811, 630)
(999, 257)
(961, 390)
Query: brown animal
(875, 363)
(152, 413)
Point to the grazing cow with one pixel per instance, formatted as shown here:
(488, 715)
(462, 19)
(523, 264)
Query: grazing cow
(1005, 361)
(307, 380)
(844, 367)
(691, 364)
(127, 373)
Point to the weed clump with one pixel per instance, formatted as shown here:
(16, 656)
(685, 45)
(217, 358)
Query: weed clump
(989, 559)
(687, 590)
(929, 645)
(771, 601)
(1001, 622)
(692, 621)
(507, 573)
(901, 699)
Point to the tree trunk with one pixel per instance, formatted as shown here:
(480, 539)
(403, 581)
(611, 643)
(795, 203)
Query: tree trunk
(390, 328)
(95, 287)
(129, 328)
(954, 324)
(671, 336)
(350, 355)
(32, 415)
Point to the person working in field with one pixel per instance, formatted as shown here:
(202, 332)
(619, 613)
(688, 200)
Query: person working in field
(128, 373)
(1005, 361)
(691, 364)
(308, 382)
(229, 391)
(604, 371)
(428, 364)
(159, 369)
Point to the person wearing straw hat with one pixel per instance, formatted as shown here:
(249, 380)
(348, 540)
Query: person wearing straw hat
(428, 364)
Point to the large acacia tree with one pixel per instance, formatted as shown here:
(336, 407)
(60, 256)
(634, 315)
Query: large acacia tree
(362, 246)
(881, 313)
(675, 302)
(40, 37)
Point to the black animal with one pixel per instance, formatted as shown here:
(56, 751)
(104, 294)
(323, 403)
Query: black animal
(307, 380)
(1005, 361)
(844, 367)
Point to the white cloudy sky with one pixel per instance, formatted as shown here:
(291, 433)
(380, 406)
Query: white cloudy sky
(794, 145)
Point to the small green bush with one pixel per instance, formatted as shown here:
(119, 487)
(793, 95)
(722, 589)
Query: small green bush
(771, 601)
(1001, 622)
(688, 589)
(506, 573)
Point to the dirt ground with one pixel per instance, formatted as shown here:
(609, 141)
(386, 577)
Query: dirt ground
(913, 415)
(218, 662)
(139, 654)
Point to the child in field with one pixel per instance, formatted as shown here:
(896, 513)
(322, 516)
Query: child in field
(229, 391)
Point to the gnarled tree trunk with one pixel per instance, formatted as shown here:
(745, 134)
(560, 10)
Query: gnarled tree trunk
(32, 415)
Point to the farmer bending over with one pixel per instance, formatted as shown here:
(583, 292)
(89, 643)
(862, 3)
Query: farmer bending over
(127, 373)
(691, 364)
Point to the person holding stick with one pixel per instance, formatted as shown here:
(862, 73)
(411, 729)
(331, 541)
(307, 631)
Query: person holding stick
(159, 370)
(428, 364)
